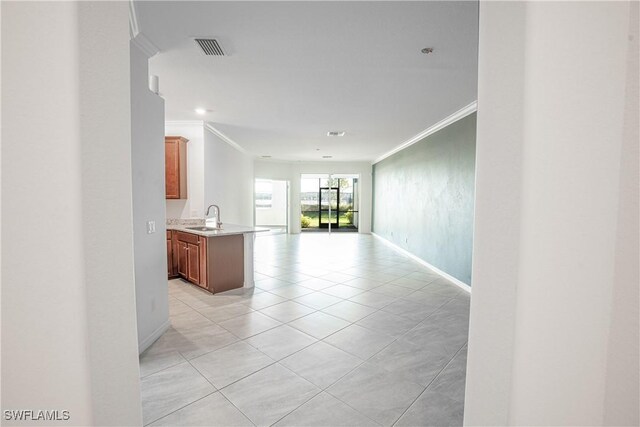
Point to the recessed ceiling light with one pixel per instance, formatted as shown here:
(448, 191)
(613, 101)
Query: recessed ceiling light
(200, 111)
(327, 157)
(336, 133)
(427, 50)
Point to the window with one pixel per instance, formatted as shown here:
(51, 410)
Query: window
(264, 194)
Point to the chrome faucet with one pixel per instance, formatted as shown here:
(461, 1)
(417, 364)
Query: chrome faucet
(218, 222)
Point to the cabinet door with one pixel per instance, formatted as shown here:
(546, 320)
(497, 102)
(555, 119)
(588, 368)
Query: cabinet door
(172, 168)
(183, 259)
(175, 167)
(193, 269)
(204, 277)
(169, 258)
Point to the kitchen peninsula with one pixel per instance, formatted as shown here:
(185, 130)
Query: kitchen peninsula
(215, 259)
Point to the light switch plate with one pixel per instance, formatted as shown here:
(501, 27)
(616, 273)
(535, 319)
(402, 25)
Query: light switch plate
(151, 227)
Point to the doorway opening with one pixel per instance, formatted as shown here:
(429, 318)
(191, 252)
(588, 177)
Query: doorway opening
(272, 205)
(329, 202)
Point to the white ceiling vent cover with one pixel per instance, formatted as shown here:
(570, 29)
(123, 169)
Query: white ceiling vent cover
(210, 47)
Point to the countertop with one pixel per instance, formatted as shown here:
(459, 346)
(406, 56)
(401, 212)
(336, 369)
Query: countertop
(226, 230)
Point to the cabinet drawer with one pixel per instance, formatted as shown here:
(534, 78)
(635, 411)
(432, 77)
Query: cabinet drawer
(187, 237)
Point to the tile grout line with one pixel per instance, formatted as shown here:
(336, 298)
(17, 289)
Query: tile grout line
(206, 379)
(297, 375)
(168, 367)
(395, 338)
(182, 407)
(362, 361)
(296, 408)
(219, 390)
(377, 310)
(430, 382)
(381, 350)
(391, 261)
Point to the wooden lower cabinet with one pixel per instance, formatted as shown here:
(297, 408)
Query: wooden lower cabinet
(190, 249)
(213, 263)
(172, 255)
(225, 263)
(169, 255)
(193, 264)
(183, 259)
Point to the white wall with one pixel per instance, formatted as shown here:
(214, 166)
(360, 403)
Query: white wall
(193, 206)
(147, 164)
(277, 213)
(68, 306)
(217, 173)
(548, 238)
(228, 180)
(622, 394)
(291, 171)
(497, 213)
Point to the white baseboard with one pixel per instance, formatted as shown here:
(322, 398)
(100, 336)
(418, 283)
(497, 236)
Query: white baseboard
(436, 270)
(146, 343)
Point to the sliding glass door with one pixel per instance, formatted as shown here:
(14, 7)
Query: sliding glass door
(329, 202)
(329, 213)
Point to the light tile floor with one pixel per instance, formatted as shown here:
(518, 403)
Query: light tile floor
(340, 330)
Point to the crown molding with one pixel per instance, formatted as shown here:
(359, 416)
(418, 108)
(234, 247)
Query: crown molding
(145, 45)
(272, 160)
(460, 114)
(138, 38)
(133, 20)
(224, 137)
(210, 128)
(184, 123)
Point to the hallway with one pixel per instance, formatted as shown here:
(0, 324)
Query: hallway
(340, 330)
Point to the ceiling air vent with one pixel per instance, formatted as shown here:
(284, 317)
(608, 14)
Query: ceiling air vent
(210, 47)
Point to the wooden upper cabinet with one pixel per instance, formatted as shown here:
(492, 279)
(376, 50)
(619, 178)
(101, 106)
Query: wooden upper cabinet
(175, 167)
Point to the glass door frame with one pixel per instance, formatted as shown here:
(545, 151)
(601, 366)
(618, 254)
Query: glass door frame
(329, 223)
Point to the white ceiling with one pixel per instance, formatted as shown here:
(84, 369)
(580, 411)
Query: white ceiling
(297, 70)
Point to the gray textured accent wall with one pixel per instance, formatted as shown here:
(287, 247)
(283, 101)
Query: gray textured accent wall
(423, 198)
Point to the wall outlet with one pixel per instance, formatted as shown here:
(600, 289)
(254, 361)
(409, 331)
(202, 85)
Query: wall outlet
(151, 227)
